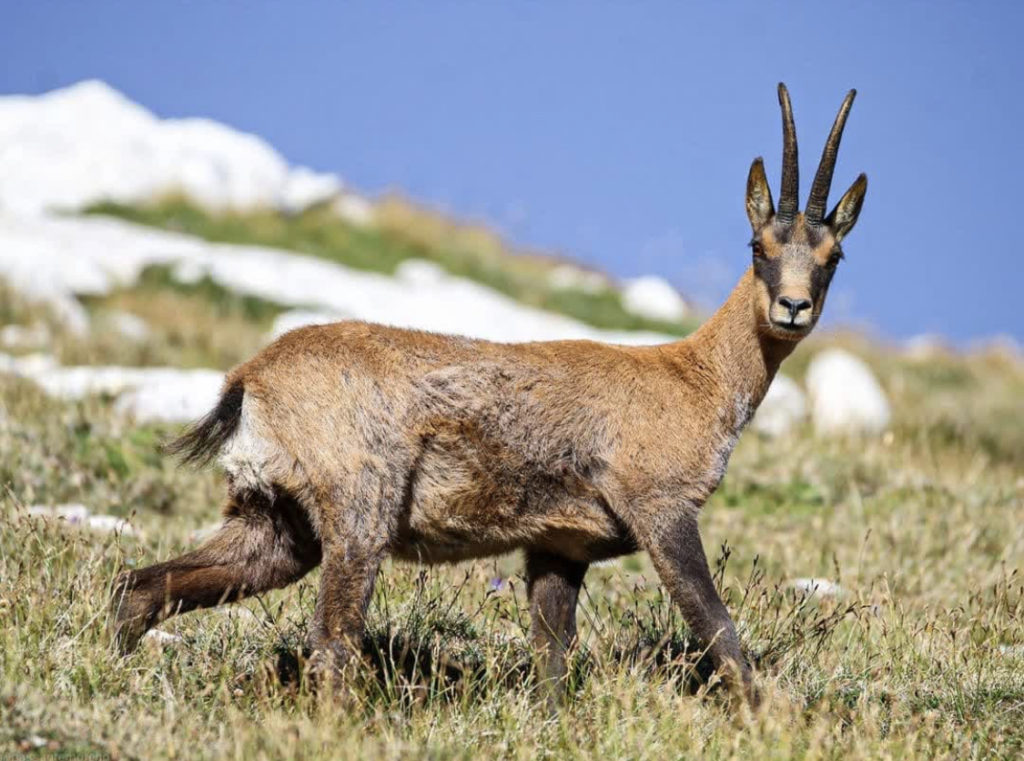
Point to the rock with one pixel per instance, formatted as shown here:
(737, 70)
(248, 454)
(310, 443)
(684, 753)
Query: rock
(813, 587)
(160, 637)
(845, 395)
(783, 407)
(654, 298)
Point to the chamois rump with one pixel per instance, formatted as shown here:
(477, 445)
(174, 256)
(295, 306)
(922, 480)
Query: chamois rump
(346, 443)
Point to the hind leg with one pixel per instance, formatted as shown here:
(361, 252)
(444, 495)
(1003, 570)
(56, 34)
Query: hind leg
(262, 545)
(349, 572)
(553, 585)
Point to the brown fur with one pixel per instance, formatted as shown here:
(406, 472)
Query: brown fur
(352, 442)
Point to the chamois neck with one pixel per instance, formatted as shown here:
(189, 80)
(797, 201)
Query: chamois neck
(737, 360)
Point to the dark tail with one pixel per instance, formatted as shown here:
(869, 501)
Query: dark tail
(202, 440)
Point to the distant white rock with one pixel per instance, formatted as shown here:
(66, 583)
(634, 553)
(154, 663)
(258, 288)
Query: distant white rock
(86, 143)
(813, 587)
(783, 407)
(160, 638)
(654, 298)
(845, 395)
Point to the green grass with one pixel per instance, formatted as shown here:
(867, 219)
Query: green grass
(921, 657)
(467, 252)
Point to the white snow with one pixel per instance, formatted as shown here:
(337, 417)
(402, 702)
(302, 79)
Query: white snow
(146, 393)
(653, 297)
(86, 143)
(54, 258)
(783, 407)
(845, 395)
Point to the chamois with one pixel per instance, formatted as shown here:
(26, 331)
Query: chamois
(346, 443)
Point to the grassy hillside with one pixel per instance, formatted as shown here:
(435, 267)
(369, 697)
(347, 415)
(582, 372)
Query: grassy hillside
(920, 656)
(403, 231)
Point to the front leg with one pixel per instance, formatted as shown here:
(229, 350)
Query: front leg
(553, 585)
(678, 557)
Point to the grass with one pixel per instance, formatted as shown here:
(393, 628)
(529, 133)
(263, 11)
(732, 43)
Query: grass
(922, 655)
(401, 232)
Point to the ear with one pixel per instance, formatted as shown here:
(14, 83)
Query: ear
(759, 196)
(844, 216)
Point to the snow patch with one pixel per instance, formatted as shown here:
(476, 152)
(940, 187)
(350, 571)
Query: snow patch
(654, 298)
(146, 393)
(845, 395)
(86, 143)
(55, 258)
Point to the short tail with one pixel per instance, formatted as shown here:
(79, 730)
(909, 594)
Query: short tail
(202, 440)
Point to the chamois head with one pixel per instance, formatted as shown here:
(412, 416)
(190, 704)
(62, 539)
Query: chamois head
(796, 254)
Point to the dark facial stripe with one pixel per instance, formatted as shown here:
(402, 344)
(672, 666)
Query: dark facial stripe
(769, 271)
(820, 279)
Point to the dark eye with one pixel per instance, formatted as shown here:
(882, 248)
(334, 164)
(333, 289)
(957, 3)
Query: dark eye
(833, 259)
(758, 249)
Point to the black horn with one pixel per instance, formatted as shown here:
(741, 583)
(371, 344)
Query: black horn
(788, 200)
(815, 212)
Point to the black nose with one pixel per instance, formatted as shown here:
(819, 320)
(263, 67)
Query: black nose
(795, 306)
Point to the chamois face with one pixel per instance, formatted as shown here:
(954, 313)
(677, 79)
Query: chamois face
(796, 254)
(793, 266)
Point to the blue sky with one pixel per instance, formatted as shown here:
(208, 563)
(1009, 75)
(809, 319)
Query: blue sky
(619, 134)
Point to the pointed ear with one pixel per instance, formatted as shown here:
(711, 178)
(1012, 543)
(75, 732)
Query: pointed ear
(844, 216)
(759, 196)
